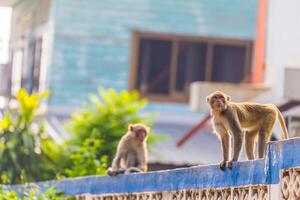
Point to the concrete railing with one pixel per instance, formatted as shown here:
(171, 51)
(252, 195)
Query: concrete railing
(276, 177)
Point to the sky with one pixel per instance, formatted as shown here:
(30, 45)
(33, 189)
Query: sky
(5, 17)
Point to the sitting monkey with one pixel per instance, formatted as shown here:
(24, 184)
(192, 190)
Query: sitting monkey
(132, 152)
(252, 120)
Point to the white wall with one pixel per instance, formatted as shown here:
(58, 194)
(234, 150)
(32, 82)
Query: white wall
(5, 17)
(283, 42)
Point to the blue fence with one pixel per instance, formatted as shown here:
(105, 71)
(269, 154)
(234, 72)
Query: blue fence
(279, 155)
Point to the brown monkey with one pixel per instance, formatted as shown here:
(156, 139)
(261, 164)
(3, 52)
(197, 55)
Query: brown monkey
(132, 152)
(252, 120)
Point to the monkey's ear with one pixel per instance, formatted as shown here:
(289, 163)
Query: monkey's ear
(207, 98)
(130, 127)
(228, 98)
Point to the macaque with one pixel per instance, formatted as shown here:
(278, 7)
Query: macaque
(132, 152)
(238, 120)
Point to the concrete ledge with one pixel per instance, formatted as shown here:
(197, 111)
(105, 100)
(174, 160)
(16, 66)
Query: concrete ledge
(245, 173)
(279, 155)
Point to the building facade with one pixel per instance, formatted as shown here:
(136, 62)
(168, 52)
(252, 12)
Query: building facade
(159, 48)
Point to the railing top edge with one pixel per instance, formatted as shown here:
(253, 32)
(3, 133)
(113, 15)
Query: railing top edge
(279, 154)
(243, 173)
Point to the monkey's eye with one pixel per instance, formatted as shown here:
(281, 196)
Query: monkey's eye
(219, 97)
(216, 98)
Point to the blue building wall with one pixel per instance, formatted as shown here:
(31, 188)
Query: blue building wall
(92, 38)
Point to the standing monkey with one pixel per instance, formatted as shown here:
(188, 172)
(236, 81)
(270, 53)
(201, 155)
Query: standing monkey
(252, 120)
(132, 152)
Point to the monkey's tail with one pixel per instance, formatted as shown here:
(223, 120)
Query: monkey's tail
(284, 130)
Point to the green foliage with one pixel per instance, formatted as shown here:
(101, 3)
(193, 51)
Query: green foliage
(34, 194)
(85, 160)
(26, 154)
(98, 127)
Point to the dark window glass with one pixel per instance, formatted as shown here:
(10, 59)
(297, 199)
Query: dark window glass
(228, 63)
(154, 66)
(191, 64)
(37, 66)
(31, 74)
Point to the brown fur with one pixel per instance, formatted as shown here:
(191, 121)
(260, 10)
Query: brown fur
(252, 120)
(131, 153)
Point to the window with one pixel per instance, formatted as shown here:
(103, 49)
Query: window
(154, 66)
(17, 64)
(164, 65)
(228, 63)
(190, 64)
(31, 73)
(36, 67)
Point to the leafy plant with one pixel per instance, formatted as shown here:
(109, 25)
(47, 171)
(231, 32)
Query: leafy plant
(98, 127)
(86, 161)
(26, 154)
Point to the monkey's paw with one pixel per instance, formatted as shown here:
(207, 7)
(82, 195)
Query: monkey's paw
(229, 164)
(222, 165)
(111, 172)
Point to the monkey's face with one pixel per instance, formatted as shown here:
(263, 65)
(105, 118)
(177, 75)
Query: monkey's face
(140, 131)
(141, 135)
(218, 101)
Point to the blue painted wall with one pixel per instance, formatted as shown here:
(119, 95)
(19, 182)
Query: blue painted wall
(279, 155)
(92, 38)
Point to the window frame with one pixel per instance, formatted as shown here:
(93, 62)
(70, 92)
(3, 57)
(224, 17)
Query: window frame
(174, 96)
